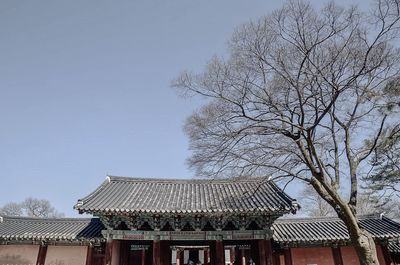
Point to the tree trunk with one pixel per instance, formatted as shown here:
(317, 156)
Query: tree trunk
(365, 247)
(362, 241)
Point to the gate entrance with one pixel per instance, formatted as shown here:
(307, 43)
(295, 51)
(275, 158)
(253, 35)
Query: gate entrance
(192, 252)
(190, 255)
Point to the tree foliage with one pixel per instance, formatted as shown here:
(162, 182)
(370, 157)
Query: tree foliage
(31, 207)
(303, 95)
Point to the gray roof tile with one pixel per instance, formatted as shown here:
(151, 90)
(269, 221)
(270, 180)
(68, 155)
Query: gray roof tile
(134, 195)
(325, 229)
(286, 232)
(394, 247)
(69, 229)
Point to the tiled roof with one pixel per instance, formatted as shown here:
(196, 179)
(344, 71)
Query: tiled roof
(317, 231)
(394, 247)
(135, 195)
(68, 229)
(330, 229)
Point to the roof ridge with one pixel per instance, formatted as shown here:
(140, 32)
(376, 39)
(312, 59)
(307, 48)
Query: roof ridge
(184, 180)
(394, 222)
(329, 218)
(39, 219)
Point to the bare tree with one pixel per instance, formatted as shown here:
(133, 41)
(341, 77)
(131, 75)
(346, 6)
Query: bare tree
(370, 203)
(31, 207)
(314, 205)
(301, 96)
(39, 208)
(11, 209)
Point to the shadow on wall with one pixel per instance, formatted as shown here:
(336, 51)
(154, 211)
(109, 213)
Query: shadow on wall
(12, 259)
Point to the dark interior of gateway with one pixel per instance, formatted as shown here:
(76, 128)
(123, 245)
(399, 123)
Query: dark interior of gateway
(198, 252)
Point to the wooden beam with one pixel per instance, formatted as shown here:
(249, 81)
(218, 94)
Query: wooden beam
(41, 258)
(337, 256)
(288, 256)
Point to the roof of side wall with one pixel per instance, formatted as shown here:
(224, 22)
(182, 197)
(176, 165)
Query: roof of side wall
(288, 232)
(139, 195)
(50, 229)
(322, 230)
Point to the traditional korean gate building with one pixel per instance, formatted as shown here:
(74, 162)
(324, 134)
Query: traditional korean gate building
(153, 221)
(159, 221)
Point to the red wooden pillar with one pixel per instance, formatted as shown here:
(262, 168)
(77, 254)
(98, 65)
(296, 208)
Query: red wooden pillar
(41, 255)
(206, 254)
(143, 258)
(217, 252)
(178, 257)
(268, 252)
(157, 252)
(261, 251)
(124, 252)
(288, 256)
(386, 254)
(276, 258)
(242, 257)
(212, 252)
(108, 255)
(220, 253)
(337, 256)
(232, 252)
(165, 252)
(89, 255)
(182, 256)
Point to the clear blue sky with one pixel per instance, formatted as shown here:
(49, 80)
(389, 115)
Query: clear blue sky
(84, 89)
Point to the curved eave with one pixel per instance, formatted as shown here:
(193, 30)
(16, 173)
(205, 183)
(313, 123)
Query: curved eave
(309, 243)
(261, 211)
(10, 238)
(81, 202)
(324, 242)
